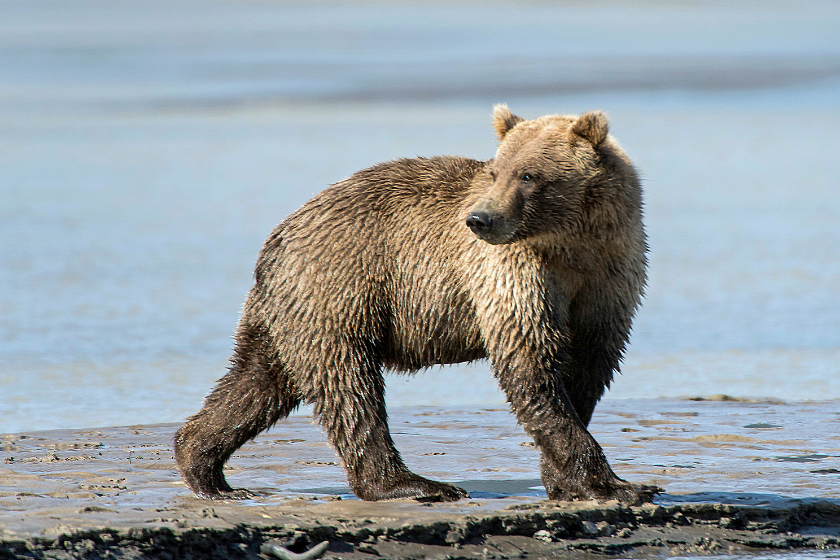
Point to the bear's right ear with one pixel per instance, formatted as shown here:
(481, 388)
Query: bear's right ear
(504, 120)
(593, 126)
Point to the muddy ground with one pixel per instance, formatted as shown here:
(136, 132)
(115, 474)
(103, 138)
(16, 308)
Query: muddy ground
(738, 477)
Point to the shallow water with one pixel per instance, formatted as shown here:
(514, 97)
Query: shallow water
(762, 464)
(145, 155)
(747, 453)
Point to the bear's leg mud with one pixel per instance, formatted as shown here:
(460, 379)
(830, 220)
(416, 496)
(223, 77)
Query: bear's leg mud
(560, 487)
(351, 407)
(254, 394)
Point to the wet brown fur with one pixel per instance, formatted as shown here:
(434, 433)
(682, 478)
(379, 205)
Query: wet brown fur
(380, 272)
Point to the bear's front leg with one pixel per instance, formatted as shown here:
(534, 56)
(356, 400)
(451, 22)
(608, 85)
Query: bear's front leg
(573, 465)
(559, 486)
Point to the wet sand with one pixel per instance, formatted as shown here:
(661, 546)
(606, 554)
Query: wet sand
(738, 477)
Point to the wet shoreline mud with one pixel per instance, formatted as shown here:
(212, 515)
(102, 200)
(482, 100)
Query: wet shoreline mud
(739, 477)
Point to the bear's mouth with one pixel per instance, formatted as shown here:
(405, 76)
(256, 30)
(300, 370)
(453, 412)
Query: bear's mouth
(491, 240)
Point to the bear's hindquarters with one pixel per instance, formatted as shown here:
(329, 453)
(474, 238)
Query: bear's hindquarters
(255, 393)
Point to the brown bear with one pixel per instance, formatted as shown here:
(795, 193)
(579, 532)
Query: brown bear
(534, 259)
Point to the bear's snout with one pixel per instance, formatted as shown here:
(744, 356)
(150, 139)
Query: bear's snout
(490, 225)
(480, 222)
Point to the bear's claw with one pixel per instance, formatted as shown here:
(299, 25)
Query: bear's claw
(627, 493)
(232, 494)
(414, 487)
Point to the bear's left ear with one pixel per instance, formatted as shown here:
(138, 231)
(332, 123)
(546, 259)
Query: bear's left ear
(592, 126)
(504, 120)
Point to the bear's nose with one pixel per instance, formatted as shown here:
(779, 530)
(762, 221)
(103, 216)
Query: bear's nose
(479, 222)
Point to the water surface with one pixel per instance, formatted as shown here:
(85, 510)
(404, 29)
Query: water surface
(146, 152)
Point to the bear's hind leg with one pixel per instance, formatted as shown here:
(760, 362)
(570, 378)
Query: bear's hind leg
(351, 406)
(255, 393)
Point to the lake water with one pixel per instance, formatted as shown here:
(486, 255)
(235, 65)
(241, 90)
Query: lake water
(147, 149)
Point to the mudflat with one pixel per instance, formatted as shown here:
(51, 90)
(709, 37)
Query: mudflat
(737, 476)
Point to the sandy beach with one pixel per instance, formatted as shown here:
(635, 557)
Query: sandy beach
(739, 477)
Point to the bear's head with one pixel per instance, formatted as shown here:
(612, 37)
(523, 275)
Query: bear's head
(545, 174)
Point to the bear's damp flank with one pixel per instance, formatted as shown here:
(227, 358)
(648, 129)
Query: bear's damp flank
(427, 261)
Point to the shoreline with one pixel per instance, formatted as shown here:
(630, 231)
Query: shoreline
(511, 529)
(740, 477)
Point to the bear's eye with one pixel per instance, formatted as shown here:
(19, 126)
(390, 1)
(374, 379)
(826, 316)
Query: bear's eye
(527, 177)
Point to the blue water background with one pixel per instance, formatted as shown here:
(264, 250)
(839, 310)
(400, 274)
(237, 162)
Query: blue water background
(148, 148)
